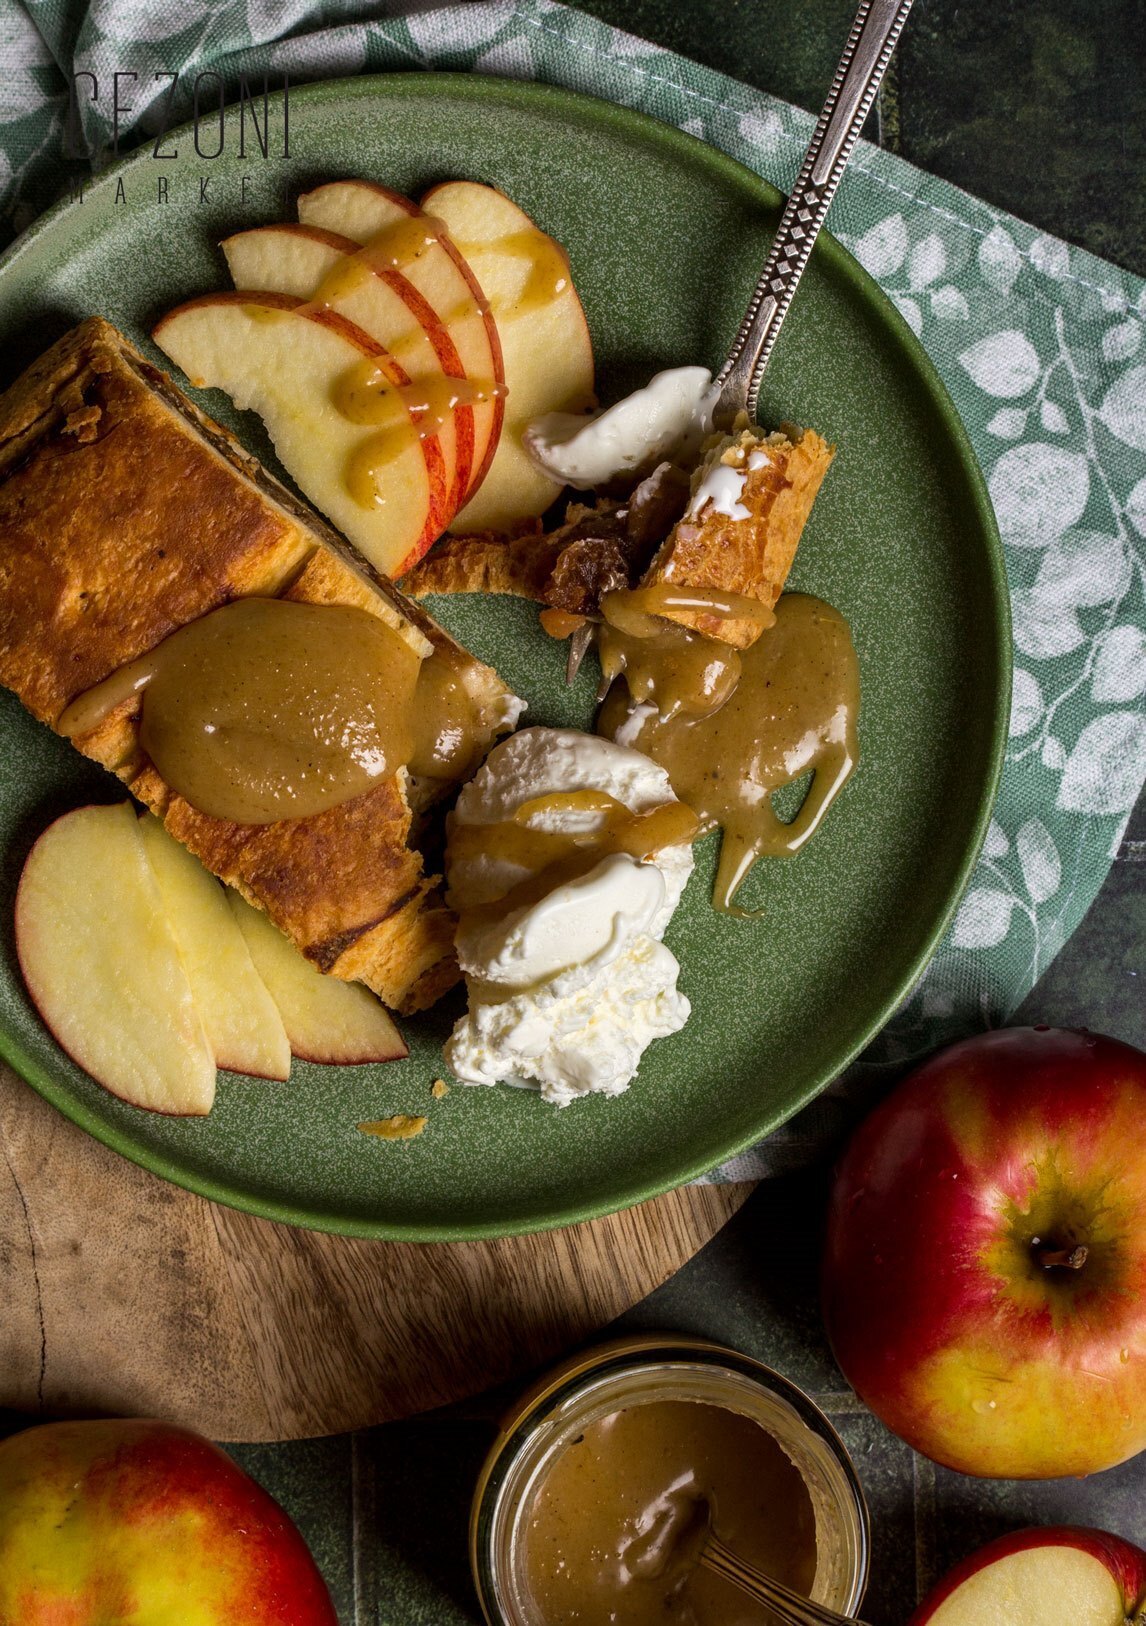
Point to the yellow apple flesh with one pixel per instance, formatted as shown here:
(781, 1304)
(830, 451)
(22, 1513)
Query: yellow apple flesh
(103, 966)
(300, 260)
(242, 1022)
(1057, 1576)
(326, 1020)
(545, 344)
(362, 210)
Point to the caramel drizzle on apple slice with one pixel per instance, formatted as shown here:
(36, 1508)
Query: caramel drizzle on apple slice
(403, 412)
(548, 273)
(411, 410)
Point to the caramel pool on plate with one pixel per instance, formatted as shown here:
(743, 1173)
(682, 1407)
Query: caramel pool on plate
(611, 1534)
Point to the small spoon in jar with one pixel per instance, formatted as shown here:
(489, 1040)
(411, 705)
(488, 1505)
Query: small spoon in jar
(697, 1547)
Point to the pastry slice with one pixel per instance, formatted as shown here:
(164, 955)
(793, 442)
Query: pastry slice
(751, 497)
(126, 513)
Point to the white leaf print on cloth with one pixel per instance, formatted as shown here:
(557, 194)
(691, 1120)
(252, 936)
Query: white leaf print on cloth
(984, 918)
(909, 309)
(1008, 423)
(513, 58)
(1054, 419)
(1005, 364)
(22, 51)
(1038, 492)
(766, 132)
(996, 843)
(1050, 256)
(1083, 568)
(1136, 507)
(1039, 860)
(1121, 342)
(1106, 767)
(1042, 629)
(1120, 665)
(883, 248)
(429, 29)
(120, 19)
(1124, 409)
(927, 262)
(1026, 702)
(999, 260)
(949, 304)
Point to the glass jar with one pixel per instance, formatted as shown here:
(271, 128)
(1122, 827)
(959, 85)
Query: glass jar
(634, 1371)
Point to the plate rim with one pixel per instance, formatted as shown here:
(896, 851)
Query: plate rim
(646, 127)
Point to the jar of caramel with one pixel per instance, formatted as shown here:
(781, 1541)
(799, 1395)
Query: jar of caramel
(593, 1502)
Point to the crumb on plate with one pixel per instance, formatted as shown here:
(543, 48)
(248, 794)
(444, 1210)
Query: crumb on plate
(402, 1126)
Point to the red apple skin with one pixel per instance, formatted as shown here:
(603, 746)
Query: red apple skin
(1126, 1563)
(147, 1525)
(940, 1315)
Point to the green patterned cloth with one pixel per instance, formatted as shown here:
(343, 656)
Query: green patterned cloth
(1039, 343)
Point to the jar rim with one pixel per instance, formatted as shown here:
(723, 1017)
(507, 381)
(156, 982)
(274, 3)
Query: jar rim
(531, 1435)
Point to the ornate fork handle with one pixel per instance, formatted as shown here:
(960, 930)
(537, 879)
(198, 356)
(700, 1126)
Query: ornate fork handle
(788, 1606)
(870, 44)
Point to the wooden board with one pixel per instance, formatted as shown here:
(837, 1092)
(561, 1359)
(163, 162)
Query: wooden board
(122, 1294)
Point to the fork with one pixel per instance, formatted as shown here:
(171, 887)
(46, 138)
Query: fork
(868, 50)
(866, 55)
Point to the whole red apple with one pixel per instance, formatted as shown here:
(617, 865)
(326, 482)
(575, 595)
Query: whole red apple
(984, 1283)
(143, 1524)
(1060, 1576)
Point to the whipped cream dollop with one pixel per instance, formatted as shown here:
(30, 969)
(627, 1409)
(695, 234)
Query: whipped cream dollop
(667, 418)
(568, 989)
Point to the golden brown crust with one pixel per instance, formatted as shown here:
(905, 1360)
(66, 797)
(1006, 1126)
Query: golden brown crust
(124, 513)
(752, 556)
(188, 536)
(485, 563)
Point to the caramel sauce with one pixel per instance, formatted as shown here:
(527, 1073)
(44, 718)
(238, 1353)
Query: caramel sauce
(664, 663)
(552, 857)
(612, 1531)
(547, 274)
(447, 740)
(404, 411)
(392, 249)
(793, 711)
(404, 414)
(267, 709)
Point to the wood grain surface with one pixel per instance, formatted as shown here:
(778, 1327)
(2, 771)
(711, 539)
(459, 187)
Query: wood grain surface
(121, 1294)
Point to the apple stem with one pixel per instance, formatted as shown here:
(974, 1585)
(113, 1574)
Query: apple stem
(1064, 1258)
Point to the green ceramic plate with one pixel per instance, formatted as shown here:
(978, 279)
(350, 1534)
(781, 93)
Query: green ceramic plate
(666, 237)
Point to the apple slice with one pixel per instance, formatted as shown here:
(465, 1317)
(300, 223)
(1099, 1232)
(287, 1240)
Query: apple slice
(545, 342)
(313, 265)
(371, 215)
(101, 963)
(326, 1020)
(1057, 1576)
(241, 1020)
(285, 360)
